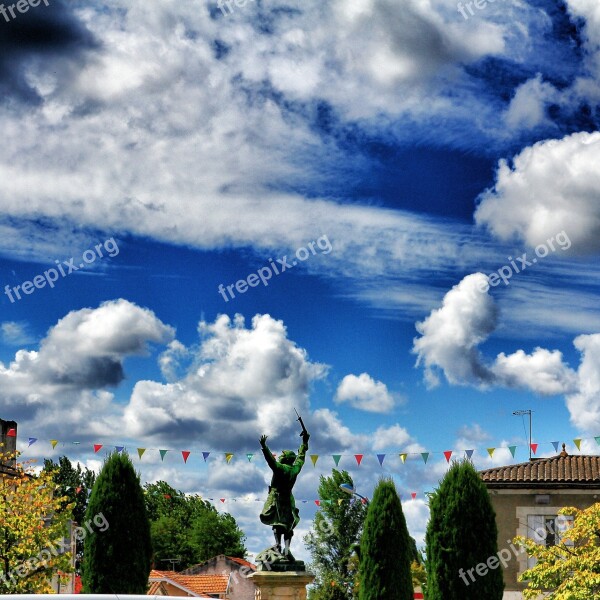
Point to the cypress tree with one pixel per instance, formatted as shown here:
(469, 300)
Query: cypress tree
(461, 533)
(385, 548)
(117, 560)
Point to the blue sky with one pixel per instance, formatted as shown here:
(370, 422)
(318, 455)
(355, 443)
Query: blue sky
(418, 151)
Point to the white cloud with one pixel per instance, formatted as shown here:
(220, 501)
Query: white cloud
(527, 107)
(450, 334)
(553, 187)
(15, 333)
(394, 437)
(364, 393)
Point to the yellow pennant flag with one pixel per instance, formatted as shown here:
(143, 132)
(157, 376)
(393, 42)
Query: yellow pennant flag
(54, 442)
(403, 457)
(141, 452)
(228, 456)
(577, 442)
(314, 458)
(491, 451)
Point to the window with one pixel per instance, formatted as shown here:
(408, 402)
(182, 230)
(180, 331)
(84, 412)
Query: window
(547, 530)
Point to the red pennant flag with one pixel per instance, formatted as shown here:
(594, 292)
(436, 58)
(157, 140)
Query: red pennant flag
(448, 454)
(78, 490)
(186, 455)
(534, 448)
(97, 447)
(414, 495)
(358, 458)
(222, 500)
(12, 433)
(318, 502)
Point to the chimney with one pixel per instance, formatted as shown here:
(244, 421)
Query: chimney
(8, 437)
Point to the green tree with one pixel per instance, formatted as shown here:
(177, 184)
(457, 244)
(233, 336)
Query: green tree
(385, 548)
(461, 533)
(117, 560)
(74, 484)
(569, 570)
(189, 528)
(33, 530)
(335, 532)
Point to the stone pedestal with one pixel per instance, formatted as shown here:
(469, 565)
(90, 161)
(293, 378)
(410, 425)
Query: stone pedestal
(271, 585)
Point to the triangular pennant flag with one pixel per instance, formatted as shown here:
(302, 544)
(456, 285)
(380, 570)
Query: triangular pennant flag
(11, 432)
(469, 453)
(78, 490)
(163, 453)
(119, 448)
(534, 448)
(403, 457)
(340, 500)
(318, 502)
(363, 500)
(314, 458)
(222, 500)
(381, 458)
(167, 496)
(555, 444)
(205, 455)
(336, 459)
(32, 441)
(54, 442)
(577, 442)
(67, 488)
(491, 452)
(249, 456)
(425, 456)
(228, 457)
(140, 452)
(597, 438)
(448, 454)
(512, 450)
(186, 455)
(358, 458)
(414, 495)
(97, 447)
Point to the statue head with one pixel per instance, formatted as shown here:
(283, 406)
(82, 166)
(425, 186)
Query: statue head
(287, 457)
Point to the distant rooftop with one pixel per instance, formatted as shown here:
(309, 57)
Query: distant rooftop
(562, 471)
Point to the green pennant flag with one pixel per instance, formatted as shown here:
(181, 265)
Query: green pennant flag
(141, 452)
(597, 438)
(577, 442)
(163, 454)
(314, 458)
(512, 450)
(425, 456)
(249, 456)
(336, 459)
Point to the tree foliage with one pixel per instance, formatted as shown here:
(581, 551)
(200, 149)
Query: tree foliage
(117, 560)
(461, 533)
(569, 570)
(385, 548)
(34, 537)
(188, 528)
(335, 532)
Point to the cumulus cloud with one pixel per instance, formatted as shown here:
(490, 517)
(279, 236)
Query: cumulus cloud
(551, 187)
(364, 393)
(450, 334)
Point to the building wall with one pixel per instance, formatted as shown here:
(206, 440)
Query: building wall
(240, 586)
(10, 443)
(512, 508)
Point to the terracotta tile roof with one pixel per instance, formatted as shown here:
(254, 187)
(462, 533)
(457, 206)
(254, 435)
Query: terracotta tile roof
(558, 471)
(199, 584)
(242, 562)
(153, 589)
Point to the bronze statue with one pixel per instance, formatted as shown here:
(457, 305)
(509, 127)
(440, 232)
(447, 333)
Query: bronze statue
(280, 510)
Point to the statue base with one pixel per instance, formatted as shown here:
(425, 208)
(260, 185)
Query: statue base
(271, 585)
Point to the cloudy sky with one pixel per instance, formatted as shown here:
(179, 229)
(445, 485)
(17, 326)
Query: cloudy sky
(385, 214)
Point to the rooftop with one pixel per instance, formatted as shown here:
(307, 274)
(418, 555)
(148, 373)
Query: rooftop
(562, 471)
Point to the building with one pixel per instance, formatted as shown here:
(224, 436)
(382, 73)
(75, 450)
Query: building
(170, 583)
(241, 587)
(8, 439)
(527, 498)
